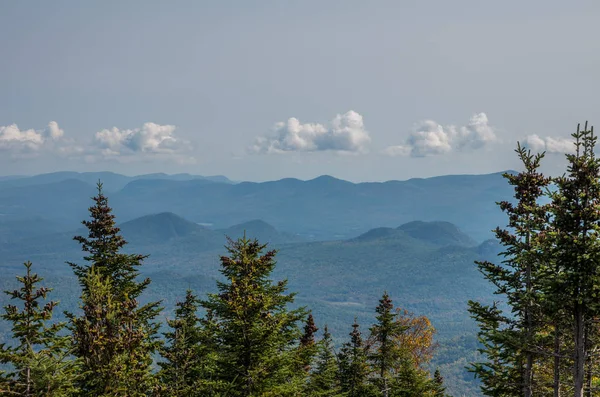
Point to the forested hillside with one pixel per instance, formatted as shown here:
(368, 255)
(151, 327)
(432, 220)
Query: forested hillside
(249, 341)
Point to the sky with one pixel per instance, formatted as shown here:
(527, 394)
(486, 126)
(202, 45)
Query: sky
(263, 90)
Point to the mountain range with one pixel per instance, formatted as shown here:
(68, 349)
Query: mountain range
(323, 208)
(340, 244)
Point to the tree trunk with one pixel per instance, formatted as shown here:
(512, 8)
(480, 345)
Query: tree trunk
(590, 364)
(528, 375)
(579, 365)
(556, 361)
(528, 389)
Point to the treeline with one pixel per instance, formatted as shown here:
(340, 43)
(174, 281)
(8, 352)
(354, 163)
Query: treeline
(248, 342)
(545, 341)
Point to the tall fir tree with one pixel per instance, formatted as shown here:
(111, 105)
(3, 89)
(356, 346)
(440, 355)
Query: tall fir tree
(40, 360)
(256, 332)
(114, 336)
(324, 380)
(510, 342)
(575, 245)
(386, 354)
(354, 369)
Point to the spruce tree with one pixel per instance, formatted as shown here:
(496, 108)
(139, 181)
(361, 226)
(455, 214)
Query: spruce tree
(575, 245)
(308, 347)
(40, 360)
(256, 332)
(438, 389)
(114, 336)
(354, 368)
(181, 371)
(510, 342)
(386, 353)
(324, 381)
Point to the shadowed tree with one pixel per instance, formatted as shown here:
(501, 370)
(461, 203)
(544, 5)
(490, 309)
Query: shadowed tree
(354, 369)
(324, 381)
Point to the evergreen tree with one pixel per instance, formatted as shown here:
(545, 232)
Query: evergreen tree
(256, 333)
(575, 247)
(386, 353)
(438, 388)
(324, 381)
(354, 367)
(182, 372)
(40, 360)
(114, 336)
(308, 348)
(510, 343)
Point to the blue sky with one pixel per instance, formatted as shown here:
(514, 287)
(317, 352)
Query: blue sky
(261, 90)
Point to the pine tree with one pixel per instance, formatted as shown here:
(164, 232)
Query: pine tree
(324, 381)
(438, 388)
(576, 248)
(114, 336)
(256, 333)
(308, 348)
(181, 373)
(511, 342)
(386, 353)
(40, 360)
(354, 368)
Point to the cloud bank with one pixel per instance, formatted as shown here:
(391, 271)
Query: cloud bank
(345, 133)
(549, 144)
(31, 141)
(151, 140)
(429, 138)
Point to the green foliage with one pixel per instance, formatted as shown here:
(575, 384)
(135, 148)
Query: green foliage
(550, 280)
(438, 389)
(256, 332)
(574, 246)
(114, 337)
(386, 353)
(509, 341)
(354, 368)
(324, 380)
(190, 355)
(40, 360)
(308, 348)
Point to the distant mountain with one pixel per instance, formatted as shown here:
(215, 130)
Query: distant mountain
(436, 233)
(111, 181)
(318, 209)
(440, 233)
(160, 228)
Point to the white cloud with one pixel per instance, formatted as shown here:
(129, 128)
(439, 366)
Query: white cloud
(53, 131)
(151, 138)
(429, 138)
(18, 141)
(346, 133)
(549, 144)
